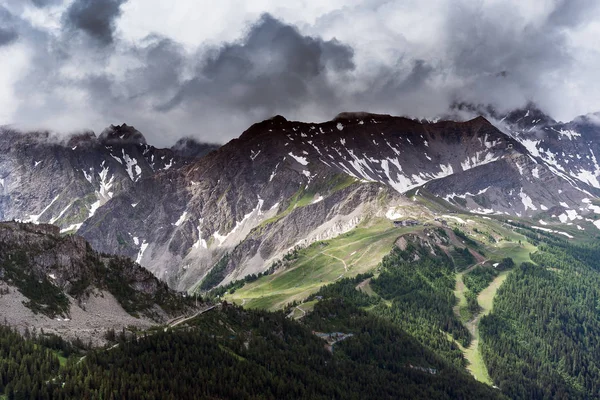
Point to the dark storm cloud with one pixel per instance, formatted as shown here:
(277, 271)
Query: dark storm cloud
(95, 17)
(274, 68)
(213, 93)
(7, 36)
(507, 64)
(45, 3)
(162, 62)
(416, 78)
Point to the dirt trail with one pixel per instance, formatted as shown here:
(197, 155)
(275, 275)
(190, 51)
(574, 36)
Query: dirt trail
(339, 259)
(182, 320)
(364, 283)
(480, 259)
(363, 254)
(303, 312)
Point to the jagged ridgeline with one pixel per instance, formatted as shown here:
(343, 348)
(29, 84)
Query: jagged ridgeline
(180, 211)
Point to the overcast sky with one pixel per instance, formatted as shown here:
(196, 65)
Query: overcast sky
(210, 69)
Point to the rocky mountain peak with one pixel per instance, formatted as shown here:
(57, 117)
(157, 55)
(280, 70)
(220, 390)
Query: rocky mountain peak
(191, 148)
(358, 115)
(278, 119)
(82, 139)
(528, 116)
(121, 134)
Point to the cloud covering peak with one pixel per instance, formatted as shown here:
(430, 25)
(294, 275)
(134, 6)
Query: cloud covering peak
(210, 70)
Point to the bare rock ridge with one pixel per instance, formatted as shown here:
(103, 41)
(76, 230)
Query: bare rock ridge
(121, 134)
(180, 211)
(64, 182)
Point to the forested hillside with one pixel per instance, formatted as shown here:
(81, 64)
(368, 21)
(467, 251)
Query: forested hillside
(240, 354)
(396, 332)
(542, 339)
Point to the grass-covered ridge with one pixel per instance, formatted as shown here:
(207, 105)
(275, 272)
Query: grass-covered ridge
(305, 195)
(347, 255)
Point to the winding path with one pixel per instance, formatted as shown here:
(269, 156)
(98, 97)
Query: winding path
(337, 258)
(178, 321)
(303, 312)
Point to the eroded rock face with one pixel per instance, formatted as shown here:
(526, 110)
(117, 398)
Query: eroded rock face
(281, 183)
(44, 179)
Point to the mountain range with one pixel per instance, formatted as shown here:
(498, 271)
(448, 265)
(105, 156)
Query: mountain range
(404, 259)
(180, 211)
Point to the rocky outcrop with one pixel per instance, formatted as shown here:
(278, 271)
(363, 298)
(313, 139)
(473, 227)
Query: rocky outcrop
(52, 281)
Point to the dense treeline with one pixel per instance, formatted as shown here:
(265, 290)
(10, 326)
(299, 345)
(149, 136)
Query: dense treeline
(416, 296)
(465, 238)
(240, 354)
(422, 293)
(25, 366)
(462, 258)
(479, 278)
(542, 340)
(216, 274)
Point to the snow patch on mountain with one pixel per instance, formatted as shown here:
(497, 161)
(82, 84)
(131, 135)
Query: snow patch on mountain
(527, 201)
(539, 228)
(477, 160)
(133, 170)
(35, 218)
(93, 208)
(181, 219)
(300, 159)
(254, 213)
(141, 252)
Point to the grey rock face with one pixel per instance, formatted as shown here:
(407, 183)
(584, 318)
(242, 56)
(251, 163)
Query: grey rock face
(43, 179)
(283, 183)
(60, 284)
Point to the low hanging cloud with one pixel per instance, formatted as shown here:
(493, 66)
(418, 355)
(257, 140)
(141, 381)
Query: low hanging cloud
(45, 3)
(413, 58)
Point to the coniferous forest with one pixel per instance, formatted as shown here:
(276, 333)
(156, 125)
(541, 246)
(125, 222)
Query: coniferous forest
(235, 353)
(401, 340)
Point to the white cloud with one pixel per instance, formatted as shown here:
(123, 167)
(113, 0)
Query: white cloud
(10, 73)
(410, 57)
